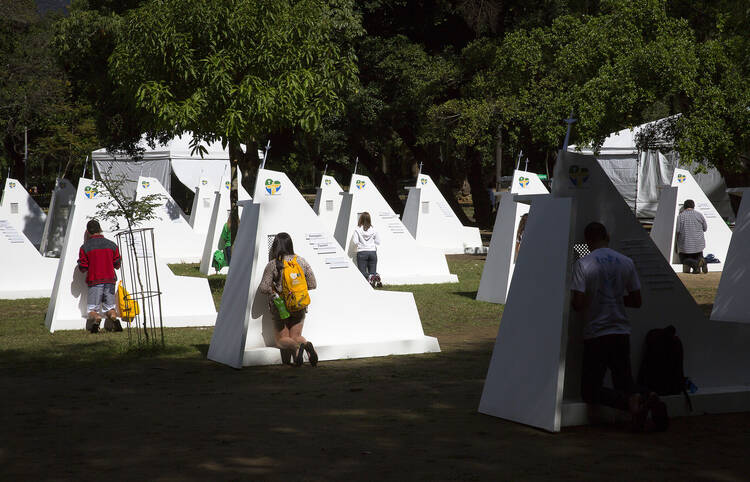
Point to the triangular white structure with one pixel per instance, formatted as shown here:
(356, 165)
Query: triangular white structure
(219, 215)
(60, 205)
(501, 257)
(185, 301)
(22, 212)
(26, 273)
(535, 370)
(328, 202)
(432, 222)
(346, 317)
(203, 202)
(717, 236)
(400, 259)
(732, 302)
(176, 241)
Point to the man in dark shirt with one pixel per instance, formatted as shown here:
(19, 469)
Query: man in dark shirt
(99, 258)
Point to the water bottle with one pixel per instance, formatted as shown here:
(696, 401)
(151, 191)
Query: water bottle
(279, 302)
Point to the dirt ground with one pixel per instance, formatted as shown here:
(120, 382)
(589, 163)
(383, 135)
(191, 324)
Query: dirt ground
(392, 418)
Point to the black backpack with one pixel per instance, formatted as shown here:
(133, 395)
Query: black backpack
(661, 368)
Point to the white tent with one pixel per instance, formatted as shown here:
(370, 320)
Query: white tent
(60, 205)
(176, 241)
(732, 302)
(185, 301)
(432, 222)
(639, 176)
(25, 272)
(22, 212)
(501, 258)
(220, 210)
(327, 205)
(535, 369)
(346, 317)
(163, 159)
(400, 259)
(663, 233)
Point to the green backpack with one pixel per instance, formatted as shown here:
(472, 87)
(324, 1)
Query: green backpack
(218, 261)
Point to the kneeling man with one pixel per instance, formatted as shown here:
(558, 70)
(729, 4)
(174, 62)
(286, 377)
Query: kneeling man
(99, 258)
(604, 283)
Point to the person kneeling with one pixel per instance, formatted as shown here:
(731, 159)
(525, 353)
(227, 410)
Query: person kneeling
(604, 283)
(283, 270)
(99, 258)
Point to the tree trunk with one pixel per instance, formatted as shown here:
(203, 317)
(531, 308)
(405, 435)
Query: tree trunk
(235, 153)
(387, 186)
(479, 195)
(498, 158)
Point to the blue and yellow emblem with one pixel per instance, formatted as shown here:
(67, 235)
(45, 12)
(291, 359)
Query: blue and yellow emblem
(328, 182)
(681, 178)
(90, 192)
(360, 184)
(12, 184)
(578, 175)
(423, 181)
(227, 184)
(145, 184)
(272, 187)
(204, 181)
(523, 181)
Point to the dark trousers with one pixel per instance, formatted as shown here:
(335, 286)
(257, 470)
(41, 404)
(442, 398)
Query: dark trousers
(692, 260)
(367, 262)
(227, 254)
(599, 354)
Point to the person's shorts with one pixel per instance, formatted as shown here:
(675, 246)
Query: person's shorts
(101, 298)
(296, 317)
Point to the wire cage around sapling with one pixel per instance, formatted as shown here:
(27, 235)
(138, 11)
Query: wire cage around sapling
(140, 278)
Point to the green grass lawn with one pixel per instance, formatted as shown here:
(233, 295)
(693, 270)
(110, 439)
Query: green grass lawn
(445, 309)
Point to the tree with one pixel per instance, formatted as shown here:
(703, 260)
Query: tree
(233, 70)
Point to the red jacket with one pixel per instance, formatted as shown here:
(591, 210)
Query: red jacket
(99, 257)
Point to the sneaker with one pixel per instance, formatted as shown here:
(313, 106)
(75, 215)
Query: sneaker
(638, 412)
(658, 411)
(298, 357)
(311, 353)
(118, 325)
(378, 284)
(92, 324)
(703, 265)
(286, 356)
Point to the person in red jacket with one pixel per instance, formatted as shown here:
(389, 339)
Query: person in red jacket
(99, 258)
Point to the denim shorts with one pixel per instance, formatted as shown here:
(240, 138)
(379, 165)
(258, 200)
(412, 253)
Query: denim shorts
(101, 298)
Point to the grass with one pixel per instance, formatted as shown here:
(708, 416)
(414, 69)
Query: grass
(28, 345)
(447, 310)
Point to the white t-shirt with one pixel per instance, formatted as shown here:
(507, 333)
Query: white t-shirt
(366, 240)
(605, 276)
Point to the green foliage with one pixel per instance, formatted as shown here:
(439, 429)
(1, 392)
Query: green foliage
(234, 70)
(118, 204)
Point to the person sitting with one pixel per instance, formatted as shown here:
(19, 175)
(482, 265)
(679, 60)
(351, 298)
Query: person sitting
(288, 332)
(99, 258)
(690, 238)
(604, 282)
(366, 239)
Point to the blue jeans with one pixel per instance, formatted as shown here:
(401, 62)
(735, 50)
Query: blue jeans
(367, 262)
(227, 254)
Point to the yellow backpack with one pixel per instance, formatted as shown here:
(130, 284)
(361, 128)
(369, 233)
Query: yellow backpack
(294, 286)
(128, 306)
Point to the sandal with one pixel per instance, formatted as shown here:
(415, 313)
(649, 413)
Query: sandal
(298, 357)
(311, 353)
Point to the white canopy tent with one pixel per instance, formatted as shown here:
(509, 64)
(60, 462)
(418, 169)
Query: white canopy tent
(639, 176)
(163, 159)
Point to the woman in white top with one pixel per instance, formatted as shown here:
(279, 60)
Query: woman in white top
(366, 239)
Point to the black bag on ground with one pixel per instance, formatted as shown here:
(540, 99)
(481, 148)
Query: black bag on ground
(661, 368)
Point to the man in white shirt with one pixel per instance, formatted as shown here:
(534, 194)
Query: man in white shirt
(604, 282)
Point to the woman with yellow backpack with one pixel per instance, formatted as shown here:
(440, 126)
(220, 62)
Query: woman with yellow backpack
(288, 277)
